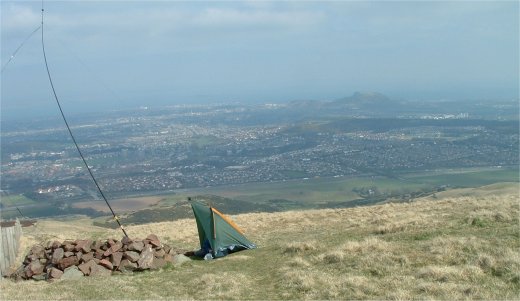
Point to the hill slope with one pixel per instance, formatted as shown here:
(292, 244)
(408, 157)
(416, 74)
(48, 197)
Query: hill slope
(453, 247)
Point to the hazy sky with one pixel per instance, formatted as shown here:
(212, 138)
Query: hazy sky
(127, 54)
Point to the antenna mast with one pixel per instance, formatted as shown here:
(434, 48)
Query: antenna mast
(72, 136)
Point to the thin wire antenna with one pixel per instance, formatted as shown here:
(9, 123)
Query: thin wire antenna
(19, 47)
(72, 136)
(21, 214)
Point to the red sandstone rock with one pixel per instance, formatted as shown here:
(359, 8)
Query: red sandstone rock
(86, 257)
(67, 262)
(34, 268)
(136, 246)
(86, 267)
(115, 258)
(126, 240)
(117, 246)
(154, 240)
(69, 247)
(99, 271)
(57, 255)
(107, 264)
(127, 265)
(99, 254)
(146, 259)
(83, 245)
(132, 256)
(54, 273)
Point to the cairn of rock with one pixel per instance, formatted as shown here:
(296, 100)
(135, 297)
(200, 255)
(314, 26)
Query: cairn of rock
(75, 259)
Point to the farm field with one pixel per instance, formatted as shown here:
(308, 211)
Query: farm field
(286, 195)
(121, 205)
(16, 200)
(310, 192)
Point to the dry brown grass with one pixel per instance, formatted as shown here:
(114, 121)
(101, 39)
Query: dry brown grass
(458, 247)
(300, 247)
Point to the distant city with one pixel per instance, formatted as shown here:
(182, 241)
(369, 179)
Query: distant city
(148, 151)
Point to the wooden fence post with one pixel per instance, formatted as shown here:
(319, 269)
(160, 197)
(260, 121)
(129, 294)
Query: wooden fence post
(9, 246)
(2, 253)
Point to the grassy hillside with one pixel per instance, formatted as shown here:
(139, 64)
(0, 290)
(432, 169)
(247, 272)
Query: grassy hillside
(449, 247)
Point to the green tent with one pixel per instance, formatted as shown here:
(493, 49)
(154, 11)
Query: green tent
(222, 234)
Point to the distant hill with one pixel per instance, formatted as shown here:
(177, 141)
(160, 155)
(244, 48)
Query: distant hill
(305, 103)
(364, 98)
(358, 98)
(370, 103)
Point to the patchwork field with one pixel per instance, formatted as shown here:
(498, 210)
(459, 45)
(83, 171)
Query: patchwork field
(312, 193)
(458, 246)
(121, 205)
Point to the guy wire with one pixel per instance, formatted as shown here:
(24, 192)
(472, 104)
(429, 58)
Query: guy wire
(19, 47)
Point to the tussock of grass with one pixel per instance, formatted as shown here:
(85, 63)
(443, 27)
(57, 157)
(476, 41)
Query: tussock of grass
(392, 228)
(333, 257)
(368, 245)
(453, 247)
(449, 273)
(299, 262)
(300, 247)
(301, 281)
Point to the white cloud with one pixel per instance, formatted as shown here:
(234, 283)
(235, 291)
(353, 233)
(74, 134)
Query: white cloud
(155, 27)
(19, 17)
(233, 17)
(156, 21)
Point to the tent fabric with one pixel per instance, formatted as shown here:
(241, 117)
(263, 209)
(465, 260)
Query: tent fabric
(223, 235)
(228, 220)
(204, 220)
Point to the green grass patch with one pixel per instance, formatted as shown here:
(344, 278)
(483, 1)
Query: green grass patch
(468, 178)
(328, 192)
(16, 200)
(308, 192)
(424, 236)
(202, 141)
